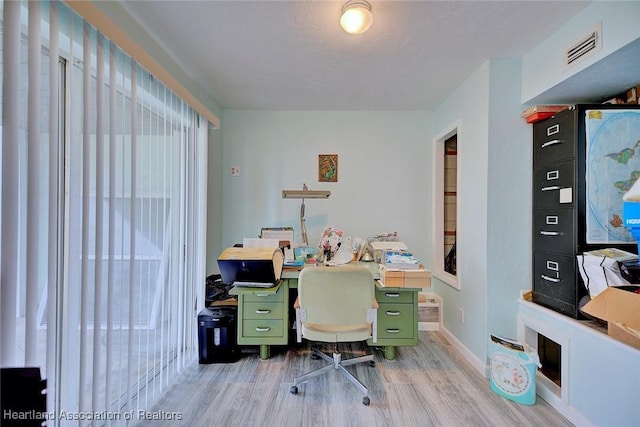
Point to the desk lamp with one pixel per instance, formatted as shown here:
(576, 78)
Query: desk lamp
(305, 193)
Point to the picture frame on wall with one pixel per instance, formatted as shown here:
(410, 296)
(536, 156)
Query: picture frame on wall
(327, 168)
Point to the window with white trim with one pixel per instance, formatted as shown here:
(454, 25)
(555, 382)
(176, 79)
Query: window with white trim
(445, 207)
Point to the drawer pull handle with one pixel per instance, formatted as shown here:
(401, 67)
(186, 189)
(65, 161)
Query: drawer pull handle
(549, 279)
(550, 233)
(552, 142)
(263, 311)
(262, 295)
(393, 331)
(262, 329)
(551, 188)
(392, 313)
(392, 295)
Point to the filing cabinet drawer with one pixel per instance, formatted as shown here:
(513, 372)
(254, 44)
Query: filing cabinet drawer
(395, 321)
(564, 307)
(395, 332)
(554, 139)
(263, 310)
(555, 276)
(252, 328)
(554, 230)
(259, 296)
(387, 295)
(553, 185)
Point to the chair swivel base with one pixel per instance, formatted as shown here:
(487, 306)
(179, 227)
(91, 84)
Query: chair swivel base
(338, 364)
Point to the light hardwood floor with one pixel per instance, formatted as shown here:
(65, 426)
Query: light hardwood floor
(427, 385)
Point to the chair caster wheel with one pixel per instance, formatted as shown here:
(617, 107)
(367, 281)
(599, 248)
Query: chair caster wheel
(372, 363)
(366, 401)
(293, 390)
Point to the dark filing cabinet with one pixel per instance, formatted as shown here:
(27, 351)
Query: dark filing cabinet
(560, 208)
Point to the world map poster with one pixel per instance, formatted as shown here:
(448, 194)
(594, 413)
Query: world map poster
(613, 165)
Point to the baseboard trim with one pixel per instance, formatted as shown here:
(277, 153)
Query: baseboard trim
(477, 364)
(543, 392)
(569, 412)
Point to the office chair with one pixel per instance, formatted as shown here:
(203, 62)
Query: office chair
(336, 304)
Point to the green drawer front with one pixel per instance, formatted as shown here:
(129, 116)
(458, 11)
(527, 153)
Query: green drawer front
(396, 321)
(262, 328)
(264, 296)
(404, 297)
(263, 310)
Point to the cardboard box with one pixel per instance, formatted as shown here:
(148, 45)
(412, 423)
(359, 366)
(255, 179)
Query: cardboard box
(621, 310)
(420, 278)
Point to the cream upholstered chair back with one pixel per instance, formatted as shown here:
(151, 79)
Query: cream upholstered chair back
(336, 304)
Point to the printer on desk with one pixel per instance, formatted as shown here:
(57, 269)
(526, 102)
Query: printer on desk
(251, 267)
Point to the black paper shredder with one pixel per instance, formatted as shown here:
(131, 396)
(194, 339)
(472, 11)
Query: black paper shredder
(217, 334)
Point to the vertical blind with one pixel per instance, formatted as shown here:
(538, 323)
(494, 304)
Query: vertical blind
(102, 216)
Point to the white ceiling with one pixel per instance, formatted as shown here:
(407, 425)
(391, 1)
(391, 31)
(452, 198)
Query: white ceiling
(293, 55)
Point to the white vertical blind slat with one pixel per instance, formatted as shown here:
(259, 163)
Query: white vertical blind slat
(125, 73)
(132, 237)
(33, 183)
(142, 193)
(86, 204)
(70, 294)
(10, 180)
(182, 241)
(112, 226)
(99, 227)
(54, 147)
(202, 156)
(167, 235)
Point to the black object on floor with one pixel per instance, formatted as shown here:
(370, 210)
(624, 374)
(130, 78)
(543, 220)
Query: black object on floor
(217, 334)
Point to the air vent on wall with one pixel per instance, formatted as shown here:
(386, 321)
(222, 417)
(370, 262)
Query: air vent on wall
(586, 46)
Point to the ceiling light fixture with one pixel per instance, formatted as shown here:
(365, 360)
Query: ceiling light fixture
(356, 16)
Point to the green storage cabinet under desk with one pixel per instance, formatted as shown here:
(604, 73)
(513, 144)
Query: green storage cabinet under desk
(263, 316)
(397, 318)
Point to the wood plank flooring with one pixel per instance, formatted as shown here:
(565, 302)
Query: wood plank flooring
(427, 385)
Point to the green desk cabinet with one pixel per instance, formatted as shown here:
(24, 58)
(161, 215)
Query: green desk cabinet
(263, 316)
(397, 319)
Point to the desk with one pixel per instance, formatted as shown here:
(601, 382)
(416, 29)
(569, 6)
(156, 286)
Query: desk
(263, 314)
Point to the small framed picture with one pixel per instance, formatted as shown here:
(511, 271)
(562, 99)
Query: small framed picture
(327, 167)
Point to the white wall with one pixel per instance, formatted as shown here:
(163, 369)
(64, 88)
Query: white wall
(542, 68)
(214, 197)
(383, 179)
(494, 205)
(469, 106)
(509, 252)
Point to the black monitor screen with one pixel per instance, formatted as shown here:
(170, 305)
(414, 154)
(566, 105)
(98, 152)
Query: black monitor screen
(259, 271)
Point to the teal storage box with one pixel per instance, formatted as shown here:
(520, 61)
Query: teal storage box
(512, 370)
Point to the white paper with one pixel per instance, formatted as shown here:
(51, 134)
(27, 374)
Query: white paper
(598, 273)
(566, 195)
(256, 242)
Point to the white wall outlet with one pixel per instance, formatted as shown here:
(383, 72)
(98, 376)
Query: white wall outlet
(235, 171)
(460, 315)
